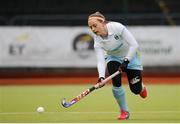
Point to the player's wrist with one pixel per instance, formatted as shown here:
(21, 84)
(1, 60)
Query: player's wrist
(100, 79)
(124, 64)
(126, 60)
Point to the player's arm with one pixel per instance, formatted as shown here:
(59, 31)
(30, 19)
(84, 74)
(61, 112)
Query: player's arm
(133, 45)
(101, 66)
(128, 37)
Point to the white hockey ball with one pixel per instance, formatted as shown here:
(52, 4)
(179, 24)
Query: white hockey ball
(40, 109)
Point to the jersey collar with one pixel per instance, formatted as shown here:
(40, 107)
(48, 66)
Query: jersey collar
(110, 32)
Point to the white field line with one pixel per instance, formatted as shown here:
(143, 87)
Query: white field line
(135, 112)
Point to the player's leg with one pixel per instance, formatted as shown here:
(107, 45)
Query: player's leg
(135, 82)
(118, 90)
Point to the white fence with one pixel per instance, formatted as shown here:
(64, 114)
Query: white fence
(73, 46)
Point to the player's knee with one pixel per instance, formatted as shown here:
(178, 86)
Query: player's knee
(136, 85)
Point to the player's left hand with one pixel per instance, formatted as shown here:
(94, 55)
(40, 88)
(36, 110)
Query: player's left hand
(124, 65)
(99, 81)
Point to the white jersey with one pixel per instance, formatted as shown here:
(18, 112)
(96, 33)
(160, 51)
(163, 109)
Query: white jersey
(119, 43)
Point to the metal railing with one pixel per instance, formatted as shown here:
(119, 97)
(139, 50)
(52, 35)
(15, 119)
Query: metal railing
(81, 19)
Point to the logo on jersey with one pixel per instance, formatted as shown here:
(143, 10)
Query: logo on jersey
(135, 80)
(83, 44)
(116, 37)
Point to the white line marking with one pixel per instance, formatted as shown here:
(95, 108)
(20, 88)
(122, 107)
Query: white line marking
(135, 112)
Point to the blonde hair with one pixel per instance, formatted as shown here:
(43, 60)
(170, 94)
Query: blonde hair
(100, 16)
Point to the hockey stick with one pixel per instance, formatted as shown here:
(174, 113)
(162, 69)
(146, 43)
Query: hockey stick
(87, 91)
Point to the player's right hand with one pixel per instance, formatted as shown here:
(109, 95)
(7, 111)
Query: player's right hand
(124, 65)
(99, 83)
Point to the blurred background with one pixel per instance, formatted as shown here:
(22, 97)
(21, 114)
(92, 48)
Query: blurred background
(48, 42)
(43, 38)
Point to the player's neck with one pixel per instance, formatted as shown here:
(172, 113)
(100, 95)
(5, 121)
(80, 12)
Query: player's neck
(105, 32)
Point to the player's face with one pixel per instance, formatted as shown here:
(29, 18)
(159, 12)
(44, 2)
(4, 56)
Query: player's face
(97, 26)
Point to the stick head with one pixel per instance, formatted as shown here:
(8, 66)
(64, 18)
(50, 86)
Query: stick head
(65, 104)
